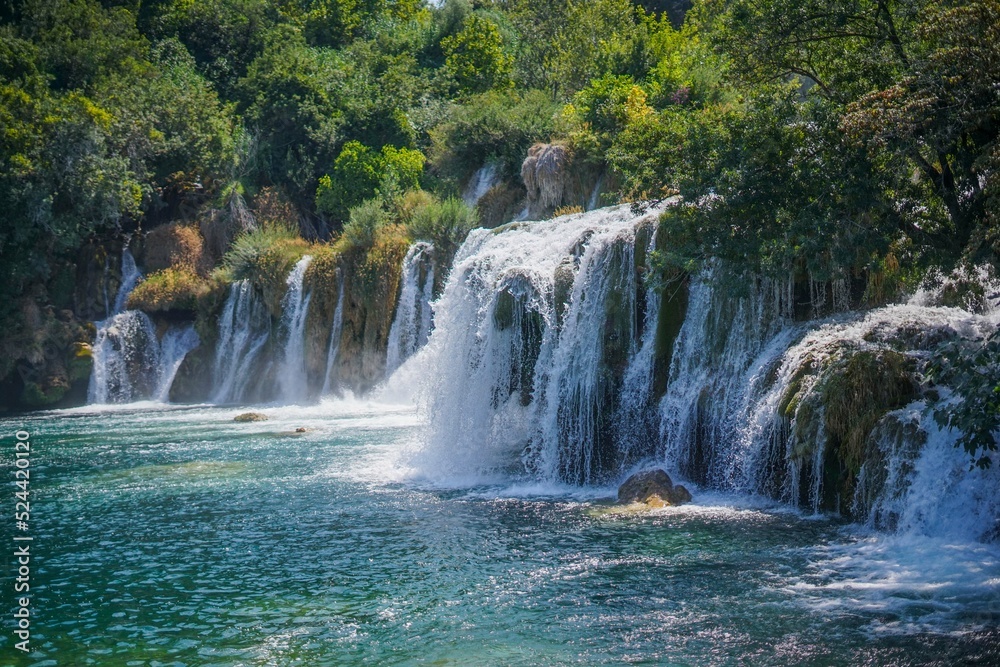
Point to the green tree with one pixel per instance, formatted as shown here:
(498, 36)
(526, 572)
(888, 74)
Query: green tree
(942, 121)
(359, 174)
(475, 59)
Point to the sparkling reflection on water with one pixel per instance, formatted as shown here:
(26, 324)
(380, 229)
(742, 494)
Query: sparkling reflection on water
(177, 537)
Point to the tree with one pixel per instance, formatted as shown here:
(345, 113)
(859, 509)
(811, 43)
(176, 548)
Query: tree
(359, 174)
(942, 120)
(475, 59)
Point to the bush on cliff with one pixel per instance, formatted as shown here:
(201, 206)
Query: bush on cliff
(443, 223)
(171, 289)
(265, 256)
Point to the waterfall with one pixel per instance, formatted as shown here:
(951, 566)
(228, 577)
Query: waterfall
(723, 354)
(548, 349)
(292, 377)
(336, 330)
(130, 278)
(481, 182)
(174, 346)
(534, 331)
(126, 359)
(595, 195)
(744, 410)
(130, 363)
(411, 325)
(244, 328)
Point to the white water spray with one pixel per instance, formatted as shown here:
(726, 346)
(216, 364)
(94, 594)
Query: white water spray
(130, 363)
(535, 327)
(244, 328)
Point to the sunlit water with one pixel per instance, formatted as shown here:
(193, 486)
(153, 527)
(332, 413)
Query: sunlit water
(178, 537)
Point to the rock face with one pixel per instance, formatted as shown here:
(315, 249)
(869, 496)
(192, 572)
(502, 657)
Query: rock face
(544, 176)
(653, 487)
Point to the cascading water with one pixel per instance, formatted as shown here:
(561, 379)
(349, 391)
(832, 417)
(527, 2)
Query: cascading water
(412, 324)
(244, 328)
(292, 377)
(130, 363)
(126, 359)
(746, 406)
(175, 345)
(533, 335)
(541, 365)
(481, 182)
(336, 330)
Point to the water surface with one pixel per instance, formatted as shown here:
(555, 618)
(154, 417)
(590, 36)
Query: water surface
(174, 536)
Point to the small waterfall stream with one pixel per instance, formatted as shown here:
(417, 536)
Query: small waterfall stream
(244, 328)
(130, 362)
(411, 325)
(336, 330)
(292, 378)
(481, 182)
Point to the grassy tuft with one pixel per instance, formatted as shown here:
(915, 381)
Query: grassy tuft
(265, 256)
(443, 223)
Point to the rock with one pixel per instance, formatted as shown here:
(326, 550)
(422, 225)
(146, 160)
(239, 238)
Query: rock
(654, 488)
(250, 417)
(544, 176)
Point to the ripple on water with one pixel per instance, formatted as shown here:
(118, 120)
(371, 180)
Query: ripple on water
(177, 537)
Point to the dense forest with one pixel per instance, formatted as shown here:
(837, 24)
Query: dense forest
(835, 139)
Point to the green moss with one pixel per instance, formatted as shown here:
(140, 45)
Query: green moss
(859, 394)
(80, 362)
(36, 395)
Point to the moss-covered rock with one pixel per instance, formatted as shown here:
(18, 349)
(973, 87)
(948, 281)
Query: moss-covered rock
(80, 361)
(177, 246)
(836, 398)
(46, 393)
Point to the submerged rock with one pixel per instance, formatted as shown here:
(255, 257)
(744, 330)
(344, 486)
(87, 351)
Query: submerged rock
(653, 487)
(250, 417)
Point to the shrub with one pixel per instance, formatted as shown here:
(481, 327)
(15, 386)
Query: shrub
(443, 223)
(265, 256)
(175, 288)
(365, 221)
(494, 127)
(174, 246)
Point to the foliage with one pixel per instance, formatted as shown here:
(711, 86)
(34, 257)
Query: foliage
(971, 369)
(359, 173)
(360, 230)
(177, 288)
(942, 119)
(496, 127)
(443, 223)
(474, 57)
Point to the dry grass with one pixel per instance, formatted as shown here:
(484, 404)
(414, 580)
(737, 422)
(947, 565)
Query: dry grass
(169, 289)
(175, 246)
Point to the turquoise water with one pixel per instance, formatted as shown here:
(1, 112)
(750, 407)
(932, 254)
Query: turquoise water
(177, 537)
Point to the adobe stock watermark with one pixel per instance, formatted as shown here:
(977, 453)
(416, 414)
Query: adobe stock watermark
(22, 540)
